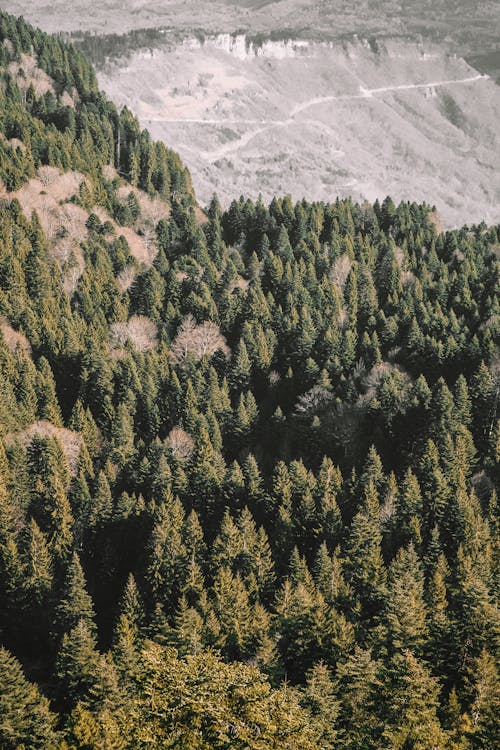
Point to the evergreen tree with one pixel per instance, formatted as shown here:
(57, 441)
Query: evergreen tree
(26, 719)
(75, 605)
(412, 712)
(405, 608)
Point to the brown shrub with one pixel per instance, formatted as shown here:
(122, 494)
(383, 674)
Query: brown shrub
(13, 338)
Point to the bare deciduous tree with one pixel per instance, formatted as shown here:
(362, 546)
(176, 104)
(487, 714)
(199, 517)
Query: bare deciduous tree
(197, 340)
(126, 278)
(71, 442)
(314, 400)
(180, 443)
(340, 271)
(140, 330)
(47, 175)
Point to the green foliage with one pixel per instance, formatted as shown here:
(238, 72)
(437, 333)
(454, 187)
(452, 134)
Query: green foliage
(26, 719)
(265, 517)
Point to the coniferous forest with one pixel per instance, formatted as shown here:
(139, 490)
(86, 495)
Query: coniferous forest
(248, 458)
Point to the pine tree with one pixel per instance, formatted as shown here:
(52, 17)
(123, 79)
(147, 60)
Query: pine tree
(38, 565)
(241, 370)
(188, 629)
(26, 719)
(302, 614)
(232, 609)
(485, 709)
(168, 555)
(77, 666)
(365, 564)
(75, 605)
(320, 699)
(435, 490)
(359, 688)
(122, 436)
(51, 508)
(48, 407)
(440, 642)
(413, 703)
(408, 514)
(405, 608)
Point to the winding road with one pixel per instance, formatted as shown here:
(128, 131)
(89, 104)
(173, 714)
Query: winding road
(262, 126)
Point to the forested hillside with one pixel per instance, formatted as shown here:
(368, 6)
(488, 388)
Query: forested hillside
(248, 458)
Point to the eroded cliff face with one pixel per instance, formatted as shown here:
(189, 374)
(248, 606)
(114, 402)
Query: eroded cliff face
(324, 119)
(244, 48)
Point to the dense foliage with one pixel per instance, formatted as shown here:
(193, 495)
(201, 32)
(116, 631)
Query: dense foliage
(70, 124)
(248, 500)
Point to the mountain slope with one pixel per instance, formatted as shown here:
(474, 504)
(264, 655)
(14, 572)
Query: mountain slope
(247, 481)
(321, 120)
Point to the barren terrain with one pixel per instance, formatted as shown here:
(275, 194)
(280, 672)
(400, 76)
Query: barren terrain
(288, 96)
(322, 119)
(471, 23)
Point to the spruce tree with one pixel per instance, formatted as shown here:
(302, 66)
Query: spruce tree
(26, 719)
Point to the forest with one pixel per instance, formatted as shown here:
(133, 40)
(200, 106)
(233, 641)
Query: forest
(248, 479)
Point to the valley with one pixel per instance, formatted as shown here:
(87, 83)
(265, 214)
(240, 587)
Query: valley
(248, 453)
(306, 98)
(321, 119)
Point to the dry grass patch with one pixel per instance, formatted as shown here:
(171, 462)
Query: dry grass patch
(13, 338)
(26, 73)
(71, 442)
(139, 330)
(142, 251)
